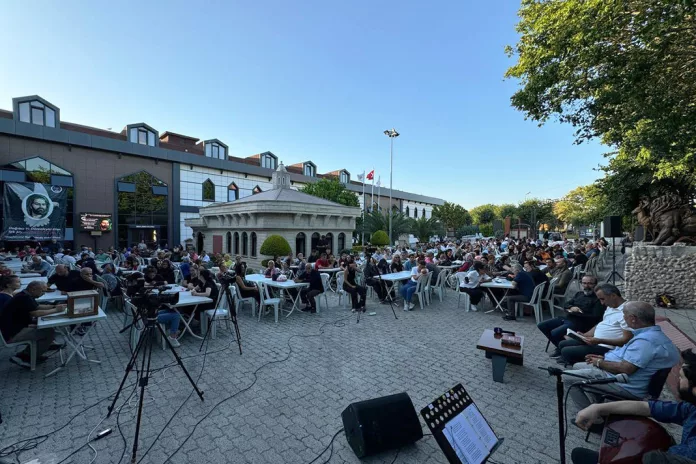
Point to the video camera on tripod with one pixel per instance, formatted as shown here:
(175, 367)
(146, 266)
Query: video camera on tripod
(149, 299)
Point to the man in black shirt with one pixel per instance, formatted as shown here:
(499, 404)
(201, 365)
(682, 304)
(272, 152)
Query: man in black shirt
(313, 256)
(64, 279)
(16, 322)
(580, 258)
(584, 311)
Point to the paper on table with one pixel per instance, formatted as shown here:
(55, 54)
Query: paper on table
(464, 440)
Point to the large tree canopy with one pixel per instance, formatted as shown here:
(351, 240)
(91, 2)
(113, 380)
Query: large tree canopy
(619, 70)
(483, 214)
(581, 206)
(453, 216)
(331, 189)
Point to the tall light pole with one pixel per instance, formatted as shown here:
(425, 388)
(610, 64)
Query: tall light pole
(392, 134)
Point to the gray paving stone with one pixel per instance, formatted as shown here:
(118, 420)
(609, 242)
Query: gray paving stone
(294, 408)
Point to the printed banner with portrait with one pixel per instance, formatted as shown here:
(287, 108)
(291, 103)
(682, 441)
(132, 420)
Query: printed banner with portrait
(33, 211)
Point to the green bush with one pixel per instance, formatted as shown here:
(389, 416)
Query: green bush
(275, 245)
(379, 238)
(356, 249)
(486, 230)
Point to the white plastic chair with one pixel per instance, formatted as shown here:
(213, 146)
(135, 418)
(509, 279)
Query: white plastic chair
(324, 283)
(422, 289)
(266, 300)
(239, 301)
(32, 349)
(439, 287)
(548, 295)
(534, 302)
(340, 292)
(220, 313)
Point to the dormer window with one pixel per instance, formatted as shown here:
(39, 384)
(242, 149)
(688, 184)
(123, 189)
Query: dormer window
(268, 161)
(35, 110)
(344, 178)
(215, 149)
(142, 135)
(310, 170)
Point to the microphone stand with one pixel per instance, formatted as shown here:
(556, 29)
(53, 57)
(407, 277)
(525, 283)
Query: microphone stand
(559, 397)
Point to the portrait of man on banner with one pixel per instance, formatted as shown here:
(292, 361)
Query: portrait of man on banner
(33, 211)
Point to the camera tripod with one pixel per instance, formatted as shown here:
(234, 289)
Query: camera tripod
(232, 311)
(145, 345)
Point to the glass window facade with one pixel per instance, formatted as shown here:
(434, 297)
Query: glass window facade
(142, 135)
(208, 190)
(268, 161)
(142, 213)
(215, 150)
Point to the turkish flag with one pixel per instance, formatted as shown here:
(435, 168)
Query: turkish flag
(371, 175)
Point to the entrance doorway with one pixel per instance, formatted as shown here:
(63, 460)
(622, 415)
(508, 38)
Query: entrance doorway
(149, 234)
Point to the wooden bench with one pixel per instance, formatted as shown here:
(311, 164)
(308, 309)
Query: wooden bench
(682, 342)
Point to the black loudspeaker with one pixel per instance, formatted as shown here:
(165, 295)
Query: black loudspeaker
(639, 234)
(380, 424)
(612, 226)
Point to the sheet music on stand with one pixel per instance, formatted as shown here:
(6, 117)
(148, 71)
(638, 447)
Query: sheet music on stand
(460, 429)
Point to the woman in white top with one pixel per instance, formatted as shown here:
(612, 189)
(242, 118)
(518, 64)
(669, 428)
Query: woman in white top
(471, 283)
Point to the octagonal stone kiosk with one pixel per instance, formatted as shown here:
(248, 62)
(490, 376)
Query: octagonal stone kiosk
(240, 227)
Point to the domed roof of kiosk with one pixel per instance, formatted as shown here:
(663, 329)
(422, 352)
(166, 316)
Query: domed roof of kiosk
(281, 191)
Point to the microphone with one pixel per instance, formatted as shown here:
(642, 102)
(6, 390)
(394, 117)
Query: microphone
(619, 378)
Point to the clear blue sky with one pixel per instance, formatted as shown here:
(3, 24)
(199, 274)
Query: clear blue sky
(306, 80)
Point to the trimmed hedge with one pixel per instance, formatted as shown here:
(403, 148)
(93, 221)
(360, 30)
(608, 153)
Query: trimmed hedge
(379, 238)
(275, 245)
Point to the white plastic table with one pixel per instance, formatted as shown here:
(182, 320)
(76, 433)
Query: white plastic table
(76, 343)
(55, 295)
(393, 279)
(498, 283)
(186, 299)
(256, 278)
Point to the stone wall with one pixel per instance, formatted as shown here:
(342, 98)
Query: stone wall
(652, 270)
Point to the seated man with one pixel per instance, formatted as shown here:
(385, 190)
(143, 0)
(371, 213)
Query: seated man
(649, 351)
(316, 287)
(101, 256)
(523, 288)
(16, 322)
(88, 261)
(610, 332)
(682, 413)
(38, 265)
(64, 279)
(584, 312)
(560, 271)
(322, 262)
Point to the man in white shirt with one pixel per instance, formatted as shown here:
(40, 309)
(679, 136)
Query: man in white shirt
(471, 284)
(204, 257)
(611, 332)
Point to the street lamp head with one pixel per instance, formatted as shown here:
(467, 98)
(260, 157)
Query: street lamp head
(391, 133)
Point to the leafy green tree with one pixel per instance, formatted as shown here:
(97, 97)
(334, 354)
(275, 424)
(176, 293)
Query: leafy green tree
(376, 220)
(581, 206)
(486, 230)
(484, 214)
(379, 238)
(506, 210)
(467, 230)
(623, 72)
(275, 245)
(534, 210)
(452, 215)
(424, 228)
(331, 189)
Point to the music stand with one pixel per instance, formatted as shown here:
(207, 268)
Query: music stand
(464, 435)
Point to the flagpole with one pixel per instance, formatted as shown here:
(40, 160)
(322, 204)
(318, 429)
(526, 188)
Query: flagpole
(363, 212)
(372, 195)
(379, 189)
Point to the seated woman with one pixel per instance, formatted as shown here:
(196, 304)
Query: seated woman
(372, 274)
(167, 271)
(396, 264)
(170, 319)
(246, 288)
(350, 285)
(112, 282)
(208, 288)
(272, 272)
(152, 278)
(193, 279)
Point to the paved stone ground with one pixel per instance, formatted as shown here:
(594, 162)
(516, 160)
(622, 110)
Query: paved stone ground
(321, 363)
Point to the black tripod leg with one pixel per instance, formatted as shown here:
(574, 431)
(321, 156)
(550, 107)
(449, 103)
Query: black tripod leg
(388, 293)
(179, 362)
(142, 383)
(129, 368)
(233, 317)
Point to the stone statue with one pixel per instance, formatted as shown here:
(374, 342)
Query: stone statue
(668, 218)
